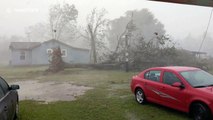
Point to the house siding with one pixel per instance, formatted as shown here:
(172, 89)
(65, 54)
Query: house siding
(15, 57)
(40, 56)
(79, 56)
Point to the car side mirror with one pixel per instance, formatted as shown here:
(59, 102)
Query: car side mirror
(178, 84)
(14, 87)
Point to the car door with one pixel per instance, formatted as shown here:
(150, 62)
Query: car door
(3, 106)
(7, 102)
(174, 97)
(152, 85)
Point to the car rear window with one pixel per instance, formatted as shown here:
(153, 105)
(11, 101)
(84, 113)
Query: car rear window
(153, 75)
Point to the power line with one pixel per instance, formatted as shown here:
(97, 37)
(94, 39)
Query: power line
(205, 33)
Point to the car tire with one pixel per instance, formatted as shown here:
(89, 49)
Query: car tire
(200, 112)
(140, 96)
(16, 112)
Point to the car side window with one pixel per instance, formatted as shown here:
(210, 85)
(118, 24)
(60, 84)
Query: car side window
(153, 75)
(146, 75)
(170, 78)
(4, 85)
(1, 93)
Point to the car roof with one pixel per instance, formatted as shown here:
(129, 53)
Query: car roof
(177, 68)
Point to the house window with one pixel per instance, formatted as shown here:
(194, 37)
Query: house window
(64, 53)
(49, 52)
(22, 55)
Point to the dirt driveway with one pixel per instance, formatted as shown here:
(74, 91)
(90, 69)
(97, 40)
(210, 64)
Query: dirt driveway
(49, 91)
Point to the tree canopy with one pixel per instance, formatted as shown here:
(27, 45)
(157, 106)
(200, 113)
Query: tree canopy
(60, 16)
(97, 25)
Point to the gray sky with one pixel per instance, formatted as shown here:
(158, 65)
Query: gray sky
(179, 20)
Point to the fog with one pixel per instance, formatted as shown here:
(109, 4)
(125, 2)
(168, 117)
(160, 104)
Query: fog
(186, 24)
(61, 55)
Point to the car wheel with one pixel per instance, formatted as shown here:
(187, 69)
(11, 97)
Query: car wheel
(200, 112)
(140, 96)
(16, 112)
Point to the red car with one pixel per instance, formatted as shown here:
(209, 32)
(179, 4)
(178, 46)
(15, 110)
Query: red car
(187, 89)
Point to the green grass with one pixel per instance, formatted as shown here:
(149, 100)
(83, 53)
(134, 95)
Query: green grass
(111, 98)
(21, 73)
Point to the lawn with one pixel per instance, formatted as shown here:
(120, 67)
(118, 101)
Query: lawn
(110, 98)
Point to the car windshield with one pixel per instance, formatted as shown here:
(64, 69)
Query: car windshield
(198, 78)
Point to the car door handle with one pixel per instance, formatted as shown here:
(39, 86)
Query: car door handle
(5, 108)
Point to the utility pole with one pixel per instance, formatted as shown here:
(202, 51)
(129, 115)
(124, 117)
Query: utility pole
(54, 33)
(130, 28)
(126, 54)
(28, 36)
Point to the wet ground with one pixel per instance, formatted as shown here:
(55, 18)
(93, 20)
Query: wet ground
(49, 91)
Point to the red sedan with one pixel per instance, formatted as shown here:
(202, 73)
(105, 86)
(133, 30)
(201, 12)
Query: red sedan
(187, 89)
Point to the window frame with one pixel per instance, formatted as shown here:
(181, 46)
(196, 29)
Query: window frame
(64, 55)
(22, 55)
(51, 51)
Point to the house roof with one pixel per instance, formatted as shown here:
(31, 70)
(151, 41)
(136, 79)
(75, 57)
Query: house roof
(53, 40)
(198, 53)
(32, 45)
(24, 45)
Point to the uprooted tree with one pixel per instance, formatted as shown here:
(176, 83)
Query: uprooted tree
(160, 52)
(126, 33)
(56, 62)
(144, 25)
(146, 45)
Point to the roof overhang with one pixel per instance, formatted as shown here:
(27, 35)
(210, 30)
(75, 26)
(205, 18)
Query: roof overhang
(208, 3)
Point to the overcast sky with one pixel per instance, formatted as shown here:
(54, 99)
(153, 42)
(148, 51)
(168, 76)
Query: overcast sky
(179, 20)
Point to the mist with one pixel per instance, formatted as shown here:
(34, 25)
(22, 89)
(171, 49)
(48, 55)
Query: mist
(28, 20)
(89, 59)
